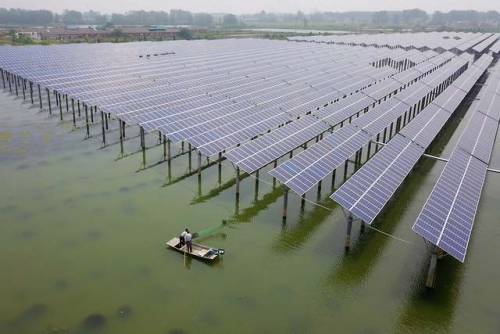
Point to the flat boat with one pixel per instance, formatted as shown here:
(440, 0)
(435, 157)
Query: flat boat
(200, 252)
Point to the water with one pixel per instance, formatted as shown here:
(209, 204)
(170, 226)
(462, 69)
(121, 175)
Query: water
(82, 237)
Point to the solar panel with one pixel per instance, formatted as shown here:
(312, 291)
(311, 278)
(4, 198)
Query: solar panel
(367, 192)
(438, 41)
(308, 167)
(423, 128)
(260, 152)
(257, 153)
(447, 217)
(479, 136)
(490, 100)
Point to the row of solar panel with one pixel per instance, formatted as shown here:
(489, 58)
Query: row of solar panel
(447, 218)
(434, 40)
(156, 67)
(367, 192)
(257, 153)
(309, 167)
(231, 101)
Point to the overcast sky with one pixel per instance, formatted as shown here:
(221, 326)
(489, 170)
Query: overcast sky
(252, 6)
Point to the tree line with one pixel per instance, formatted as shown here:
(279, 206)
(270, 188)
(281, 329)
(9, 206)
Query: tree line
(457, 19)
(141, 17)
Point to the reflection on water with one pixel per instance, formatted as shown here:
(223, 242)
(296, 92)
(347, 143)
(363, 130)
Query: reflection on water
(247, 214)
(293, 237)
(432, 310)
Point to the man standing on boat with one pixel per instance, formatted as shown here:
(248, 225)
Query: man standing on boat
(182, 237)
(188, 238)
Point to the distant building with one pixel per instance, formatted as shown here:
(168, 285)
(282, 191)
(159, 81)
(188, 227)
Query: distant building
(65, 34)
(147, 33)
(91, 33)
(33, 34)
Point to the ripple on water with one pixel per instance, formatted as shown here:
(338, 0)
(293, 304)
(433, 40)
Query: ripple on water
(124, 311)
(68, 244)
(177, 331)
(21, 216)
(61, 284)
(124, 189)
(28, 234)
(94, 234)
(209, 317)
(145, 272)
(30, 315)
(23, 166)
(68, 200)
(8, 208)
(244, 301)
(94, 322)
(299, 324)
(129, 209)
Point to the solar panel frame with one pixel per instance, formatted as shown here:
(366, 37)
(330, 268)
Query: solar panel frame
(367, 192)
(447, 217)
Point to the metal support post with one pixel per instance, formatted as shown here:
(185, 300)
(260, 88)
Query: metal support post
(103, 129)
(237, 183)
(285, 205)
(143, 146)
(348, 233)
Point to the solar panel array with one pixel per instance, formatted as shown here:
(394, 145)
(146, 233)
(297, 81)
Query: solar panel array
(257, 153)
(212, 94)
(484, 45)
(447, 218)
(439, 41)
(367, 192)
(306, 169)
(256, 100)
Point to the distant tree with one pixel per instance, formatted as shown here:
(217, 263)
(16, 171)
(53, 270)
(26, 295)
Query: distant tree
(25, 17)
(160, 18)
(380, 18)
(185, 34)
(72, 17)
(117, 32)
(413, 16)
(438, 18)
(92, 17)
(492, 15)
(118, 19)
(203, 20)
(181, 17)
(230, 20)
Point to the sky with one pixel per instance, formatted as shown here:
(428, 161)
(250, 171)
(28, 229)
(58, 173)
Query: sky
(252, 6)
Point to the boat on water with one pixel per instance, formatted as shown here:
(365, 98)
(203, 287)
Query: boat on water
(200, 252)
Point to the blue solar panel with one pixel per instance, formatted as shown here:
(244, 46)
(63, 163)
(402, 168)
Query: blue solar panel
(307, 168)
(367, 192)
(490, 100)
(479, 136)
(424, 127)
(257, 153)
(447, 217)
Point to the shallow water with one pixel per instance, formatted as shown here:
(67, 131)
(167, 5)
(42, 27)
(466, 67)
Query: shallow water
(82, 248)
